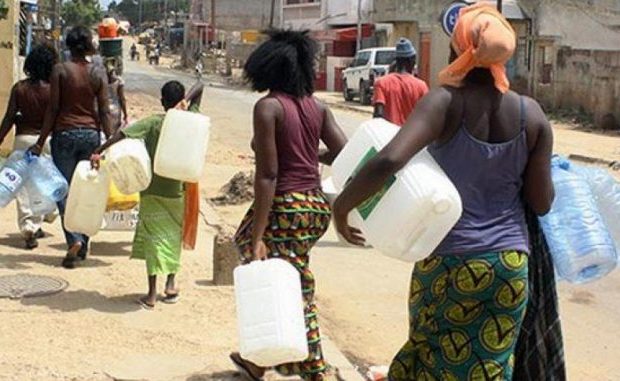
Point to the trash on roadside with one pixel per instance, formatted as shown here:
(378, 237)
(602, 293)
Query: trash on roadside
(378, 373)
(238, 190)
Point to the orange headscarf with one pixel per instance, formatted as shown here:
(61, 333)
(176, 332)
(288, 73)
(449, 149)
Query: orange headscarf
(482, 38)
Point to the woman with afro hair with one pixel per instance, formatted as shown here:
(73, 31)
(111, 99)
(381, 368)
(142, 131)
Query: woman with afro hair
(290, 212)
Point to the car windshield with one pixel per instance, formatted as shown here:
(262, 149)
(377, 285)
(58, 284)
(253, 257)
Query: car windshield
(385, 57)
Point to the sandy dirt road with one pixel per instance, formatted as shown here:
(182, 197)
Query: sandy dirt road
(95, 331)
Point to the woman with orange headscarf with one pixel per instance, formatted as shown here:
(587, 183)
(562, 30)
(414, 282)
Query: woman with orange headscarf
(468, 297)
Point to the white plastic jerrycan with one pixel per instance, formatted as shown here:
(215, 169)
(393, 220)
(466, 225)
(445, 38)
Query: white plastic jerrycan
(129, 165)
(87, 200)
(270, 313)
(416, 208)
(182, 146)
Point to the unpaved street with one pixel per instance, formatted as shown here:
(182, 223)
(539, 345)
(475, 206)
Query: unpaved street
(95, 331)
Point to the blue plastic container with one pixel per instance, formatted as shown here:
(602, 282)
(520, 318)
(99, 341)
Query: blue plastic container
(47, 179)
(13, 175)
(579, 241)
(606, 192)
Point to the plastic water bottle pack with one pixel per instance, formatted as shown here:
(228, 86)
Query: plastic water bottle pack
(606, 192)
(46, 178)
(578, 238)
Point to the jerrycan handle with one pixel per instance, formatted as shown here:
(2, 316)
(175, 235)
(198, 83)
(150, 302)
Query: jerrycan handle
(92, 174)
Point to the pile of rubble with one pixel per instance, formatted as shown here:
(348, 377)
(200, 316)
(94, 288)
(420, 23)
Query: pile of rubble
(239, 190)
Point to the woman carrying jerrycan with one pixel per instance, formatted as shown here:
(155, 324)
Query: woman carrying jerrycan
(468, 298)
(77, 113)
(26, 110)
(290, 212)
(159, 234)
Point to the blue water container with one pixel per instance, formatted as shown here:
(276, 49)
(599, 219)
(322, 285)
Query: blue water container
(579, 241)
(606, 192)
(13, 175)
(47, 179)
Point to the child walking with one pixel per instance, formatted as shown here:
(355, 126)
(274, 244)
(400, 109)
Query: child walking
(158, 238)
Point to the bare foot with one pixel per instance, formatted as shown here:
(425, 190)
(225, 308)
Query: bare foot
(253, 371)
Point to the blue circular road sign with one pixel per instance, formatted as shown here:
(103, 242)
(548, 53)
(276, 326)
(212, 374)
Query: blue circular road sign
(450, 16)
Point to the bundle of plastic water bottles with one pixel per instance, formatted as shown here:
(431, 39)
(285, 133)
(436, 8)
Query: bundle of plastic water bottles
(35, 175)
(583, 227)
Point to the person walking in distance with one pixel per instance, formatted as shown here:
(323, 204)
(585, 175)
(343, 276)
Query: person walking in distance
(290, 212)
(76, 115)
(397, 93)
(117, 101)
(158, 237)
(468, 298)
(26, 110)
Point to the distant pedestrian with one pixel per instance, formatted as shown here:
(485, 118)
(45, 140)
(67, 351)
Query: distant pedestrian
(396, 94)
(290, 212)
(77, 114)
(26, 110)
(158, 237)
(118, 103)
(468, 298)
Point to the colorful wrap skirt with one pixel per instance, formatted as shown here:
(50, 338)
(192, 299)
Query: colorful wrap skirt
(158, 235)
(465, 317)
(296, 222)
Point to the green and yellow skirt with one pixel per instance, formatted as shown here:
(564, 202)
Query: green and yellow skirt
(158, 237)
(465, 317)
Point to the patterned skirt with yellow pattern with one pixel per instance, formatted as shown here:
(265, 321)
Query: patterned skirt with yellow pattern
(296, 222)
(465, 317)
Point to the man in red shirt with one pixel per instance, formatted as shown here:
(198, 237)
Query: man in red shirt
(396, 94)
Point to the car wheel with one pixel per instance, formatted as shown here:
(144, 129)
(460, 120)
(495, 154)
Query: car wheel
(364, 94)
(348, 95)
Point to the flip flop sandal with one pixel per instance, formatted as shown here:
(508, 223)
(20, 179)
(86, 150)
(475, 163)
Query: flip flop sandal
(145, 306)
(243, 369)
(171, 298)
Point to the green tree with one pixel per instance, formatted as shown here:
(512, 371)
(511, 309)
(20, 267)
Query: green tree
(81, 12)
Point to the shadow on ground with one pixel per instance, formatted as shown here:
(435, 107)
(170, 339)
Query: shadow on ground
(223, 376)
(110, 249)
(72, 301)
(25, 261)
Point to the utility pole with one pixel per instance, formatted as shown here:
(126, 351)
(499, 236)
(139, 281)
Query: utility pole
(359, 25)
(166, 35)
(272, 14)
(139, 15)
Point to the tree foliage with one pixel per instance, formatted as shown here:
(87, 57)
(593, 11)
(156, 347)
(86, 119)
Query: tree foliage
(81, 12)
(152, 10)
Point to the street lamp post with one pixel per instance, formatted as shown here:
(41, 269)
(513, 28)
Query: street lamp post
(359, 25)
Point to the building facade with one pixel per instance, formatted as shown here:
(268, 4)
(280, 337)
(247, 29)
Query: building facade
(9, 59)
(568, 52)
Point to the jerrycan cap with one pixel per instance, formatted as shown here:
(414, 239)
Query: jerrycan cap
(560, 162)
(441, 205)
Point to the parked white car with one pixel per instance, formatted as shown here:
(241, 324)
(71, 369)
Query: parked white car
(358, 79)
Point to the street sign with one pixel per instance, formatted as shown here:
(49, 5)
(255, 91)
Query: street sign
(450, 16)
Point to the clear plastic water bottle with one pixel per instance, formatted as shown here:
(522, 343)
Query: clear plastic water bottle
(47, 179)
(578, 238)
(40, 205)
(13, 175)
(606, 192)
